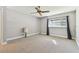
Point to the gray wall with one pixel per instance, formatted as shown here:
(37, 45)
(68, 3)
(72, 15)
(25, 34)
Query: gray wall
(0, 24)
(16, 21)
(60, 31)
(77, 26)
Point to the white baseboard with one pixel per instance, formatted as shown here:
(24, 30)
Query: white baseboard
(58, 35)
(15, 38)
(32, 34)
(74, 38)
(3, 43)
(62, 36)
(21, 36)
(77, 42)
(43, 33)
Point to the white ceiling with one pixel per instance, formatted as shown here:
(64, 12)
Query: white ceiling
(53, 9)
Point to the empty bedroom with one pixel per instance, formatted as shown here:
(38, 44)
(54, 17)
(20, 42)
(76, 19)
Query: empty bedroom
(38, 29)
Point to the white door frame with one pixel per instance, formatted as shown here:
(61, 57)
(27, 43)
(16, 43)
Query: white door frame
(2, 26)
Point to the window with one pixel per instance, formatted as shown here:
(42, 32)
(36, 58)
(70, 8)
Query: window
(58, 22)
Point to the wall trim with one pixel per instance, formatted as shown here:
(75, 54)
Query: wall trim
(62, 36)
(32, 34)
(77, 42)
(59, 36)
(3, 43)
(43, 33)
(13, 38)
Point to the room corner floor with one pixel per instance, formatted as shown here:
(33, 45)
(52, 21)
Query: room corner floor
(40, 44)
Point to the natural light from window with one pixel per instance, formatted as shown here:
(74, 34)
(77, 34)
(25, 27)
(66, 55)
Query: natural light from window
(54, 41)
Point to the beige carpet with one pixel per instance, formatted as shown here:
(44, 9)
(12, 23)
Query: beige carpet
(40, 44)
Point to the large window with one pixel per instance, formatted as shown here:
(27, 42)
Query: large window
(58, 22)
